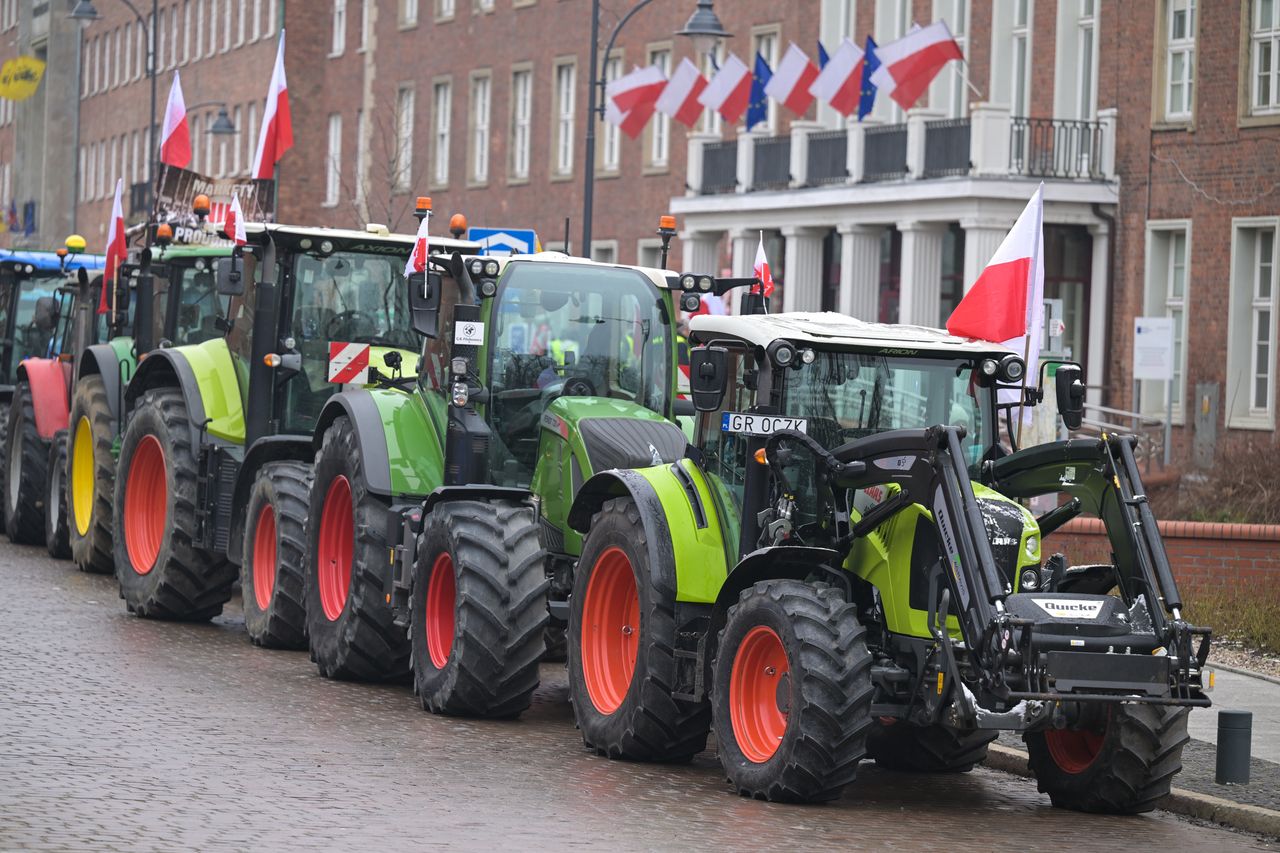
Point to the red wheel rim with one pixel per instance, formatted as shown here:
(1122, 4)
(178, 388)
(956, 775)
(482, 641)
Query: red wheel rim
(1074, 751)
(146, 505)
(442, 593)
(758, 671)
(333, 551)
(264, 557)
(610, 630)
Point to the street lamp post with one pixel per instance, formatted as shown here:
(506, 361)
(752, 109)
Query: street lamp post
(703, 27)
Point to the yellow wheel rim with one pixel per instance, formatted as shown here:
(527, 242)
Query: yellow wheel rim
(82, 476)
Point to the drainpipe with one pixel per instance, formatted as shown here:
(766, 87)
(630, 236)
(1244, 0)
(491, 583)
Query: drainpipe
(1111, 280)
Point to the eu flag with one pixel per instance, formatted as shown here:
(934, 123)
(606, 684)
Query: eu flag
(870, 62)
(823, 58)
(758, 107)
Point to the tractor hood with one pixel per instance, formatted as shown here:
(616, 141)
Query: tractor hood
(615, 433)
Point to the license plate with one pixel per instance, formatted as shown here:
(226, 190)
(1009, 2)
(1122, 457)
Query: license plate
(761, 424)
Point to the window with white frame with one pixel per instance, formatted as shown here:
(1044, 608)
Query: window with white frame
(1180, 59)
(951, 90)
(236, 145)
(199, 41)
(1020, 102)
(117, 72)
(445, 9)
(521, 121)
(649, 253)
(481, 85)
(226, 25)
(1251, 336)
(251, 135)
(174, 16)
(408, 12)
(339, 40)
(333, 162)
(1168, 266)
(212, 46)
(659, 128)
(1086, 41)
(1264, 54)
(255, 23)
(442, 116)
(765, 44)
(242, 13)
(271, 17)
(186, 31)
(565, 92)
(405, 102)
(610, 138)
(604, 251)
(366, 23)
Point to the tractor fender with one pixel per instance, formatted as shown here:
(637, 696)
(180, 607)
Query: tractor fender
(50, 396)
(101, 360)
(358, 406)
(271, 448)
(476, 492)
(169, 369)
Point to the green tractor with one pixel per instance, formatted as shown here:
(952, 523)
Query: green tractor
(214, 463)
(840, 567)
(538, 371)
(170, 292)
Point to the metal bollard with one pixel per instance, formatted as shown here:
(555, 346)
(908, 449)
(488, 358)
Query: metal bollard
(1235, 729)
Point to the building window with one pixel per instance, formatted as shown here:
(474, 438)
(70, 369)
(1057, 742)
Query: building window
(339, 40)
(360, 158)
(1021, 57)
(173, 37)
(212, 47)
(955, 76)
(271, 17)
(649, 253)
(604, 251)
(441, 106)
(243, 10)
(1086, 36)
(565, 90)
(366, 22)
(333, 163)
(610, 139)
(1251, 336)
(255, 25)
(117, 70)
(765, 44)
(445, 9)
(404, 138)
(1168, 262)
(186, 31)
(659, 128)
(251, 135)
(1180, 59)
(1266, 57)
(480, 86)
(521, 118)
(408, 13)
(236, 145)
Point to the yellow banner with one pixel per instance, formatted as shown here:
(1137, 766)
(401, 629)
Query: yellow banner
(20, 77)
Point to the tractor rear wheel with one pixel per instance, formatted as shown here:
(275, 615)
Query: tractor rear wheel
(928, 749)
(273, 563)
(26, 471)
(91, 474)
(1124, 763)
(479, 609)
(348, 578)
(791, 692)
(55, 502)
(622, 664)
(162, 573)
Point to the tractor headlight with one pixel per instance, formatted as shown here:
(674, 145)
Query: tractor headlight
(690, 302)
(1032, 547)
(807, 355)
(326, 247)
(488, 287)
(1029, 580)
(491, 268)
(476, 267)
(688, 281)
(705, 283)
(989, 367)
(782, 353)
(304, 243)
(460, 395)
(1012, 369)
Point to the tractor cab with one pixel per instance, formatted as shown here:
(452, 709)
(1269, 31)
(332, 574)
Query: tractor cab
(184, 289)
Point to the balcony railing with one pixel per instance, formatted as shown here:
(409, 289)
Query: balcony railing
(771, 169)
(946, 147)
(828, 157)
(1055, 148)
(885, 154)
(720, 167)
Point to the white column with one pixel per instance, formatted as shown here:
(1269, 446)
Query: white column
(699, 252)
(916, 119)
(747, 159)
(860, 271)
(744, 242)
(803, 285)
(1099, 301)
(855, 151)
(989, 128)
(920, 299)
(981, 239)
(1108, 119)
(800, 131)
(693, 165)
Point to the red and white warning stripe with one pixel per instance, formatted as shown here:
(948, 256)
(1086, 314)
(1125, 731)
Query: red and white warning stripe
(348, 363)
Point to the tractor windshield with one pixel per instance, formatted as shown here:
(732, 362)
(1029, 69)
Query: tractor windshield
(29, 337)
(563, 329)
(190, 282)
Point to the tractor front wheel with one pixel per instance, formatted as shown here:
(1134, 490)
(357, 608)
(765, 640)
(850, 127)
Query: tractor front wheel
(791, 693)
(91, 474)
(273, 562)
(622, 666)
(479, 609)
(56, 540)
(349, 618)
(26, 471)
(1123, 762)
(162, 573)
(928, 749)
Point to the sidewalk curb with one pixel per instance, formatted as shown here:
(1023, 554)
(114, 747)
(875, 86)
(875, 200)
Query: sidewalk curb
(1183, 802)
(1238, 671)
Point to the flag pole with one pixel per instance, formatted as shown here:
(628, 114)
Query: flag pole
(1022, 395)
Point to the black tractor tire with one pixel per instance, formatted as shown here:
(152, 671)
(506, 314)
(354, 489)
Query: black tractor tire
(92, 550)
(348, 578)
(4, 453)
(155, 512)
(555, 639)
(798, 738)
(273, 562)
(26, 471)
(1132, 764)
(56, 536)
(928, 749)
(479, 609)
(629, 715)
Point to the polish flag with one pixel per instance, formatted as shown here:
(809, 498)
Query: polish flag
(680, 98)
(631, 123)
(1006, 303)
(233, 223)
(729, 91)
(417, 261)
(175, 136)
(116, 249)
(791, 80)
(630, 100)
(908, 65)
(276, 135)
(762, 270)
(840, 81)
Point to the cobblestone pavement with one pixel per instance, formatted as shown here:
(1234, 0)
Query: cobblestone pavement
(120, 733)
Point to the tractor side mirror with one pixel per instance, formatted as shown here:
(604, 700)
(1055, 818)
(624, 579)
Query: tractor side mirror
(229, 277)
(46, 314)
(1070, 392)
(424, 302)
(708, 377)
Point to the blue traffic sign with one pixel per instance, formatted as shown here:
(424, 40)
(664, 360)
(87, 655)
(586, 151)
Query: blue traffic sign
(505, 241)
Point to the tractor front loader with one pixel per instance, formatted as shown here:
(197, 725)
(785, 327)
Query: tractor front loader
(826, 577)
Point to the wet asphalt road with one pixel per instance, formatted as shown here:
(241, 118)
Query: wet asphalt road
(120, 733)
